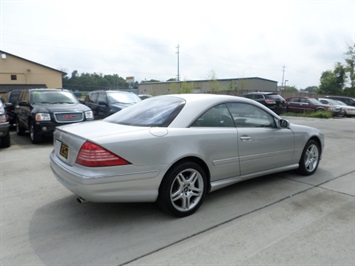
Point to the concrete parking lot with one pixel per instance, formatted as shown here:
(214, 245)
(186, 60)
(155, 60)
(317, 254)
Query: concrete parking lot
(281, 219)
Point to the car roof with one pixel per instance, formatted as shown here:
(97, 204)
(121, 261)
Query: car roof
(196, 104)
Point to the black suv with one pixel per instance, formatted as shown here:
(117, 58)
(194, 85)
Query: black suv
(41, 110)
(105, 103)
(270, 99)
(11, 99)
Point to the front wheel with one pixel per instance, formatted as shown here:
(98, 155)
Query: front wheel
(310, 158)
(35, 137)
(183, 189)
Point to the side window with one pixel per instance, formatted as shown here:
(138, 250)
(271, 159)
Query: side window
(102, 97)
(92, 97)
(294, 100)
(217, 116)
(247, 115)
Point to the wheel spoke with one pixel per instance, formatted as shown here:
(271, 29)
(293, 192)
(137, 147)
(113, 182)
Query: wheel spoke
(187, 190)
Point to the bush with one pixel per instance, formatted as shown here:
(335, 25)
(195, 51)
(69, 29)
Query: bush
(319, 114)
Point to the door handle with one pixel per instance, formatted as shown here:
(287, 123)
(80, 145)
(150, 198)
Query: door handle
(245, 138)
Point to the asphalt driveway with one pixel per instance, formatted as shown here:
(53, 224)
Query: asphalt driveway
(282, 219)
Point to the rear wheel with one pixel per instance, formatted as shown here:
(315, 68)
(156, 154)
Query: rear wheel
(183, 189)
(310, 158)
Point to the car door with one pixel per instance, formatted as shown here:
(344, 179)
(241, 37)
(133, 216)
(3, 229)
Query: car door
(23, 109)
(217, 139)
(306, 105)
(293, 105)
(262, 145)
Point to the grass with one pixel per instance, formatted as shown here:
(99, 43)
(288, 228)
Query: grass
(319, 114)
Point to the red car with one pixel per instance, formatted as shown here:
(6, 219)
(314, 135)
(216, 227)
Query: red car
(306, 105)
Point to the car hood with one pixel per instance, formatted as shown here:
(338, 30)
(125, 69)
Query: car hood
(50, 108)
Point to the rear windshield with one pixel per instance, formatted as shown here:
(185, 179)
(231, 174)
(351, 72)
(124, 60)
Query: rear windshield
(152, 112)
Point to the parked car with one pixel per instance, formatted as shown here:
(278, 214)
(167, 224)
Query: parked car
(271, 100)
(106, 103)
(347, 100)
(306, 105)
(339, 109)
(349, 110)
(5, 139)
(41, 110)
(10, 99)
(173, 149)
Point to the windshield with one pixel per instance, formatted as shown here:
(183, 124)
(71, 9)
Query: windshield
(53, 97)
(118, 97)
(153, 112)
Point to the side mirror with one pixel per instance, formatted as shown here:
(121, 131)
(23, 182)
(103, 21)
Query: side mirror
(284, 123)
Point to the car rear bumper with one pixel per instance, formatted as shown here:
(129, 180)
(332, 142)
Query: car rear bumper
(136, 187)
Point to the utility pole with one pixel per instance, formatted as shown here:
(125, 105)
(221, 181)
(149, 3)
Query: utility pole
(178, 67)
(283, 76)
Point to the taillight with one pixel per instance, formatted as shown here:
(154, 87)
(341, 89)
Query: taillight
(93, 155)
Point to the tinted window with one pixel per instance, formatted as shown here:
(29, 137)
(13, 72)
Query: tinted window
(217, 116)
(294, 100)
(102, 97)
(247, 115)
(118, 97)
(152, 112)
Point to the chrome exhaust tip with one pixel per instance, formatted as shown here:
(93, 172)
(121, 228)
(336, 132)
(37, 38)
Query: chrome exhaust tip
(80, 200)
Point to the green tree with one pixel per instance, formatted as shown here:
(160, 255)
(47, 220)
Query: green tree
(186, 87)
(311, 89)
(290, 89)
(332, 82)
(349, 68)
(214, 84)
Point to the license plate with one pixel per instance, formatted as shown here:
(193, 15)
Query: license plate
(64, 150)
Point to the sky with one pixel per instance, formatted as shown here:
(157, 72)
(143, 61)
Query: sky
(293, 40)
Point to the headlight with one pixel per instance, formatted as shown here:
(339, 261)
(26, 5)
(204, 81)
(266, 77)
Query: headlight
(89, 115)
(43, 117)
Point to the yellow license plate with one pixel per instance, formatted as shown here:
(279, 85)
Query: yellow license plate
(64, 150)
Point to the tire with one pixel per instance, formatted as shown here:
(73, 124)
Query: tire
(310, 158)
(183, 189)
(19, 129)
(6, 141)
(35, 137)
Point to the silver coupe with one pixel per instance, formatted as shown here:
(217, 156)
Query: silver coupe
(174, 149)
